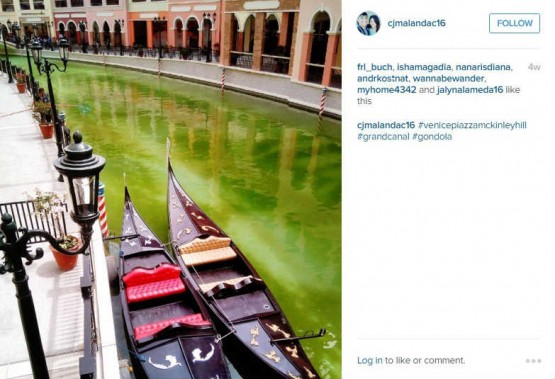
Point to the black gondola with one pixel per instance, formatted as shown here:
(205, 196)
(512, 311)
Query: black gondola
(168, 328)
(257, 336)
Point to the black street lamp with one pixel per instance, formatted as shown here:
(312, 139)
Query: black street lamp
(158, 22)
(8, 63)
(44, 66)
(82, 170)
(27, 41)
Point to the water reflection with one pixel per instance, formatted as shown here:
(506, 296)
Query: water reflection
(263, 171)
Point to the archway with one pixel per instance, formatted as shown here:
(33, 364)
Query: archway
(192, 33)
(62, 30)
(318, 48)
(206, 34)
(96, 33)
(178, 33)
(235, 45)
(72, 32)
(117, 34)
(271, 37)
(106, 34)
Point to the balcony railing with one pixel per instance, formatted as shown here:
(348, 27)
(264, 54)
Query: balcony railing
(315, 73)
(240, 59)
(275, 63)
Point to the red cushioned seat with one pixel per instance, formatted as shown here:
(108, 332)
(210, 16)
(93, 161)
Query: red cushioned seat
(145, 284)
(154, 327)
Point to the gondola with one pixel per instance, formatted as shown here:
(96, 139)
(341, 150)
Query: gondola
(168, 328)
(256, 335)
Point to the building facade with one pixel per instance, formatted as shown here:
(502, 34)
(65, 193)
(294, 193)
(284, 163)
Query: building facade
(91, 22)
(34, 17)
(300, 39)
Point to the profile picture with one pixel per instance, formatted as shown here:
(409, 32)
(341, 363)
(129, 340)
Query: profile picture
(368, 23)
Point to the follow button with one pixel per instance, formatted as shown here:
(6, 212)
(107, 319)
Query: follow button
(514, 23)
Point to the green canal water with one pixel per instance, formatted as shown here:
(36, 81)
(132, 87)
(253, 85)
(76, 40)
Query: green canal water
(266, 173)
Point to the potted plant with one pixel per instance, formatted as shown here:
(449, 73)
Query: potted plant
(20, 78)
(49, 206)
(42, 112)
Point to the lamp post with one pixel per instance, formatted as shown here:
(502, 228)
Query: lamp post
(158, 27)
(27, 40)
(8, 63)
(44, 66)
(82, 170)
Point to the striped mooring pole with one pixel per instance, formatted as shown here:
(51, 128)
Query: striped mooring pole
(102, 209)
(322, 105)
(223, 80)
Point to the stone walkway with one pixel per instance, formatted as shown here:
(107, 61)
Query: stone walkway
(26, 163)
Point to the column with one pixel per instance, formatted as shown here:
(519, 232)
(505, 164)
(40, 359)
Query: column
(259, 26)
(149, 38)
(170, 33)
(130, 40)
(305, 55)
(283, 29)
(333, 40)
(225, 45)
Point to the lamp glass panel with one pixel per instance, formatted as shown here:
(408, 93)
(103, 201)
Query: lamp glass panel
(84, 202)
(63, 49)
(36, 50)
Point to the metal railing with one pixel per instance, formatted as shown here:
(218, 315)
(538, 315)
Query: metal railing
(182, 53)
(240, 59)
(25, 215)
(275, 63)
